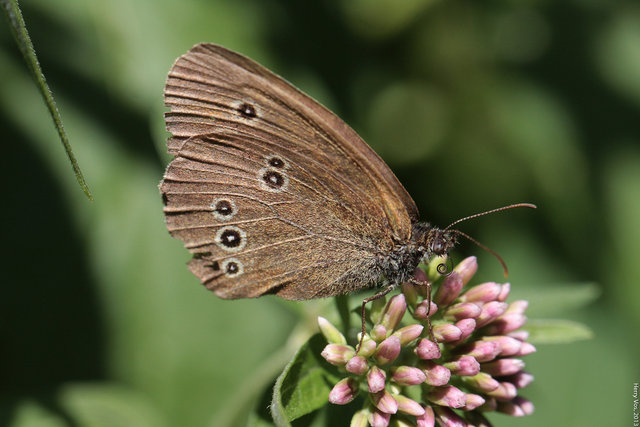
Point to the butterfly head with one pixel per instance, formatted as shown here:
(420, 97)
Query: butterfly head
(439, 242)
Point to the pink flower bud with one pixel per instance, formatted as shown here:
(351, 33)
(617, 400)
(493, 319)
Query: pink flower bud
(504, 293)
(524, 404)
(357, 365)
(446, 332)
(506, 323)
(330, 332)
(360, 418)
(500, 367)
(379, 419)
(472, 402)
(482, 351)
(427, 349)
(378, 333)
(447, 396)
(388, 350)
(436, 375)
(393, 312)
(484, 292)
(490, 312)
(409, 406)
(520, 380)
(463, 310)
(505, 392)
(463, 365)
(384, 402)
(338, 354)
(467, 268)
(482, 382)
(519, 335)
(466, 326)
(408, 375)
(408, 333)
(449, 289)
(344, 391)
(447, 418)
(525, 349)
(510, 408)
(518, 307)
(508, 346)
(376, 378)
(425, 309)
(428, 419)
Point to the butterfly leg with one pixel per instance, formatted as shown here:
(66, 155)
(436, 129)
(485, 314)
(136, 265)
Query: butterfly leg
(428, 285)
(380, 294)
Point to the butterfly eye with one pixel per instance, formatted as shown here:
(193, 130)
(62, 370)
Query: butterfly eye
(247, 110)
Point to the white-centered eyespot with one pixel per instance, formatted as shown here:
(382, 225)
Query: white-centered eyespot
(231, 238)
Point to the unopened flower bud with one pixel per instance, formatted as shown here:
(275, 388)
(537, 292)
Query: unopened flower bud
(466, 326)
(357, 365)
(467, 268)
(436, 375)
(526, 348)
(518, 307)
(520, 380)
(482, 351)
(409, 406)
(388, 350)
(463, 365)
(446, 332)
(425, 309)
(408, 333)
(510, 408)
(482, 382)
(379, 419)
(427, 349)
(504, 292)
(484, 292)
(376, 378)
(344, 391)
(505, 392)
(360, 418)
(449, 289)
(384, 402)
(410, 293)
(508, 345)
(447, 418)
(463, 310)
(447, 396)
(501, 367)
(490, 312)
(330, 332)
(472, 402)
(378, 333)
(524, 404)
(367, 348)
(338, 354)
(408, 375)
(428, 419)
(393, 312)
(506, 323)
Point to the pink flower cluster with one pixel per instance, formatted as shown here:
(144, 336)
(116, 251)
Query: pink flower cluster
(471, 368)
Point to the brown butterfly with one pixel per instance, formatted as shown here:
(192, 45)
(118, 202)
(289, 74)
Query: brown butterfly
(274, 194)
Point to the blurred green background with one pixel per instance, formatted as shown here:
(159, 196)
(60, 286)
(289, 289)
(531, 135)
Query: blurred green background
(473, 104)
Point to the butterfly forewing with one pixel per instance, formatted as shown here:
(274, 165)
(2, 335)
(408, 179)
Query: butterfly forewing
(269, 190)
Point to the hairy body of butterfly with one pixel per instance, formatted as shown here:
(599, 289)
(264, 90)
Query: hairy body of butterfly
(274, 194)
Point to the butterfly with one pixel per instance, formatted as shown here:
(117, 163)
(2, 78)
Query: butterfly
(274, 194)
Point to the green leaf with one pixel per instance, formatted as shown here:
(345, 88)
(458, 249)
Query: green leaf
(20, 34)
(304, 384)
(559, 298)
(556, 331)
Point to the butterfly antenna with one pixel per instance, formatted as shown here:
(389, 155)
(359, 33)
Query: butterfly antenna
(504, 208)
(486, 248)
